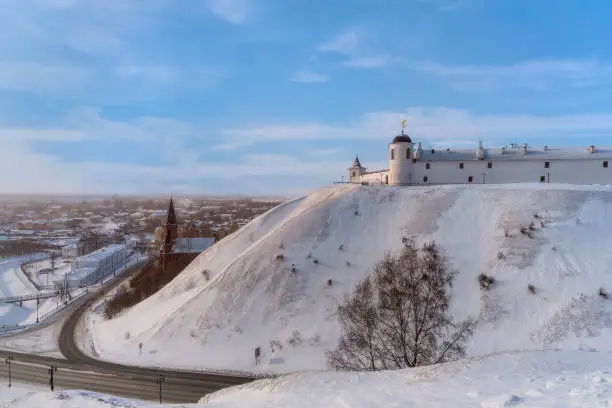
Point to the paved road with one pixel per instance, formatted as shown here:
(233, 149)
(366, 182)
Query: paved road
(80, 371)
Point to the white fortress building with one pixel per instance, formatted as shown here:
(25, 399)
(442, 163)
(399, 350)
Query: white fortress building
(413, 165)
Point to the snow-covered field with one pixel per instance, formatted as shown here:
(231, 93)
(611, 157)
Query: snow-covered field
(529, 379)
(13, 282)
(254, 300)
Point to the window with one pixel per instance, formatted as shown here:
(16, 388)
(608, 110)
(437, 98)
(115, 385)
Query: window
(407, 153)
(546, 165)
(605, 163)
(392, 154)
(427, 166)
(353, 174)
(460, 165)
(490, 165)
(542, 179)
(425, 179)
(470, 179)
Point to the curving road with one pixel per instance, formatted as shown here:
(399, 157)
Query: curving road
(80, 371)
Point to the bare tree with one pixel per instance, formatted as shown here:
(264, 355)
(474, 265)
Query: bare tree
(358, 349)
(401, 319)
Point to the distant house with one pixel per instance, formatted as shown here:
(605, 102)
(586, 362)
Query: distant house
(73, 250)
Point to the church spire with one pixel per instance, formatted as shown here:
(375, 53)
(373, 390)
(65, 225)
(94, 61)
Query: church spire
(171, 218)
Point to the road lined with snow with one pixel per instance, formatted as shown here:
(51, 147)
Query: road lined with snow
(78, 371)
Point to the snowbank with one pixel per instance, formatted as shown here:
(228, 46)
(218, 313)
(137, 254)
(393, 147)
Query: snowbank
(533, 379)
(286, 307)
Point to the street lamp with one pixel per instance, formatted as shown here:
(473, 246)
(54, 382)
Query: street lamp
(8, 361)
(160, 380)
(51, 370)
(37, 303)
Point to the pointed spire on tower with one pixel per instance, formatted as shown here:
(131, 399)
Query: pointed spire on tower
(356, 163)
(171, 217)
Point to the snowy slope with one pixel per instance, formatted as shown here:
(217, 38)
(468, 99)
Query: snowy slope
(528, 379)
(253, 299)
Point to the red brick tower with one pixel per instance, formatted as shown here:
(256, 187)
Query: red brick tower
(169, 236)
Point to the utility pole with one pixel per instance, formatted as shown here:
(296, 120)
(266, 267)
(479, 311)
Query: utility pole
(8, 361)
(37, 303)
(160, 380)
(51, 370)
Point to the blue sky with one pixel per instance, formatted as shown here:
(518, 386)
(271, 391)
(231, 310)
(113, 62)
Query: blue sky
(277, 96)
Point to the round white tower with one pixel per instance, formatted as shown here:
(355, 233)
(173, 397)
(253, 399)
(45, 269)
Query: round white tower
(400, 160)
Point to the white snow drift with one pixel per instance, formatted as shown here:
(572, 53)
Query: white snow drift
(254, 299)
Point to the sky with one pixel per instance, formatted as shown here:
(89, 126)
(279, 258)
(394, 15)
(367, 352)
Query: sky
(278, 96)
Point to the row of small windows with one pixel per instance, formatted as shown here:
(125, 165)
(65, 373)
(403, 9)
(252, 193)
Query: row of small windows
(490, 165)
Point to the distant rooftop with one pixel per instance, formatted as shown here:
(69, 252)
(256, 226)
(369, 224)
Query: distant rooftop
(102, 253)
(517, 153)
(192, 245)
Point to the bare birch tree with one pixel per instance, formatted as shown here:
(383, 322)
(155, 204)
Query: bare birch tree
(400, 318)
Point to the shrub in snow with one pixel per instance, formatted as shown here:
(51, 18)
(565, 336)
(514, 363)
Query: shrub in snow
(329, 282)
(293, 268)
(531, 289)
(308, 256)
(380, 330)
(486, 281)
(356, 212)
(296, 338)
(341, 247)
(276, 345)
(526, 231)
(190, 284)
(500, 255)
(206, 274)
(281, 246)
(280, 257)
(315, 261)
(554, 248)
(536, 215)
(542, 224)
(127, 335)
(506, 233)
(531, 226)
(348, 263)
(603, 293)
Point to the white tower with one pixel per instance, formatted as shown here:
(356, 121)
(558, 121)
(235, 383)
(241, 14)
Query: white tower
(356, 171)
(400, 160)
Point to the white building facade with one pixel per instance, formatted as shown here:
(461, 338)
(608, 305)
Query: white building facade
(92, 268)
(413, 165)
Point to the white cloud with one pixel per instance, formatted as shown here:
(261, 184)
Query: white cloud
(349, 45)
(536, 74)
(309, 77)
(344, 43)
(233, 11)
(250, 172)
(432, 125)
(376, 61)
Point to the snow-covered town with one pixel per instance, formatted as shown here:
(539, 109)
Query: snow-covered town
(53, 250)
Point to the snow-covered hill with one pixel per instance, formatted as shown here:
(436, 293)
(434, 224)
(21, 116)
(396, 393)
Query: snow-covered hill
(254, 299)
